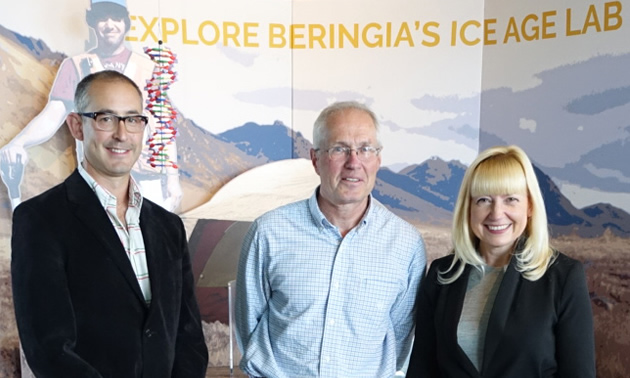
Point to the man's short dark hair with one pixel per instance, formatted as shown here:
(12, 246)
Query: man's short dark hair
(81, 97)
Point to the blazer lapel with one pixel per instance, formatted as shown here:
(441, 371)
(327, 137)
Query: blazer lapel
(453, 304)
(88, 209)
(151, 235)
(500, 312)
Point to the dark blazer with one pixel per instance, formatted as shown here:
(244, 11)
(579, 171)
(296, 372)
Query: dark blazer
(79, 308)
(536, 329)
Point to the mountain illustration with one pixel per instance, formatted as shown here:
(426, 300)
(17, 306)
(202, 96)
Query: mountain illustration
(435, 181)
(597, 170)
(411, 195)
(427, 192)
(275, 142)
(424, 192)
(35, 48)
(591, 221)
(563, 216)
(575, 117)
(27, 71)
(206, 161)
(408, 206)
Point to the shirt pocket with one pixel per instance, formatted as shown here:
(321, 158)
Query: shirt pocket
(375, 299)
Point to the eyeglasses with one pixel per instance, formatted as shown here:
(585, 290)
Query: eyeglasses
(108, 121)
(364, 153)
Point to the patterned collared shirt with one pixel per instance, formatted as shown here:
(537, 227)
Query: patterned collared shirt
(131, 236)
(313, 303)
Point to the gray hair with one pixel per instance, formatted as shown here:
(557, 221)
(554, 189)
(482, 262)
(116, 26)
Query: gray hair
(320, 127)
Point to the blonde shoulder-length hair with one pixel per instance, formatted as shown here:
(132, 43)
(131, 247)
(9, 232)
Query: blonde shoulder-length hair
(498, 171)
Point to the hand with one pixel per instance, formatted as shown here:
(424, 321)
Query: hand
(12, 151)
(13, 158)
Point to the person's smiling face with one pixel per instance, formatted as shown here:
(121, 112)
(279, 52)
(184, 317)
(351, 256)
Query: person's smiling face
(110, 31)
(348, 180)
(110, 154)
(498, 221)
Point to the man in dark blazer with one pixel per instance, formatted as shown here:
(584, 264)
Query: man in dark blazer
(99, 292)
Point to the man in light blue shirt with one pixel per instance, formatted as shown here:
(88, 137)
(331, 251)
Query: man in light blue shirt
(326, 286)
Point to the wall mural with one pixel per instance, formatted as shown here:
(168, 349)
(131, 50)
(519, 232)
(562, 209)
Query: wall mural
(247, 79)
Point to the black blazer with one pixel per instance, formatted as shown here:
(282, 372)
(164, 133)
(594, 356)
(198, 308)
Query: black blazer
(79, 308)
(536, 329)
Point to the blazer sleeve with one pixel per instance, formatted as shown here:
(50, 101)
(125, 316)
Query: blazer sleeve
(43, 307)
(423, 361)
(191, 352)
(575, 344)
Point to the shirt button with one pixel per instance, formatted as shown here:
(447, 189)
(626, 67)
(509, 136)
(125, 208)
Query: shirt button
(332, 322)
(148, 332)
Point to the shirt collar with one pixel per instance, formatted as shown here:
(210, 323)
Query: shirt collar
(320, 219)
(105, 197)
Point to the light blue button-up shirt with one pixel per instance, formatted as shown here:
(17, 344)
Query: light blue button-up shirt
(313, 303)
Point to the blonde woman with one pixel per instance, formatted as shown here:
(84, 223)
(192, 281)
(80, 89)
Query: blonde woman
(504, 304)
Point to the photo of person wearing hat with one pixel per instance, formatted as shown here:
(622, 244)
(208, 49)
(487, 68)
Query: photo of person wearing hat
(109, 21)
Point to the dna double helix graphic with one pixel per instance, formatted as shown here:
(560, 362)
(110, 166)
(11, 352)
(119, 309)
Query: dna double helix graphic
(159, 105)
